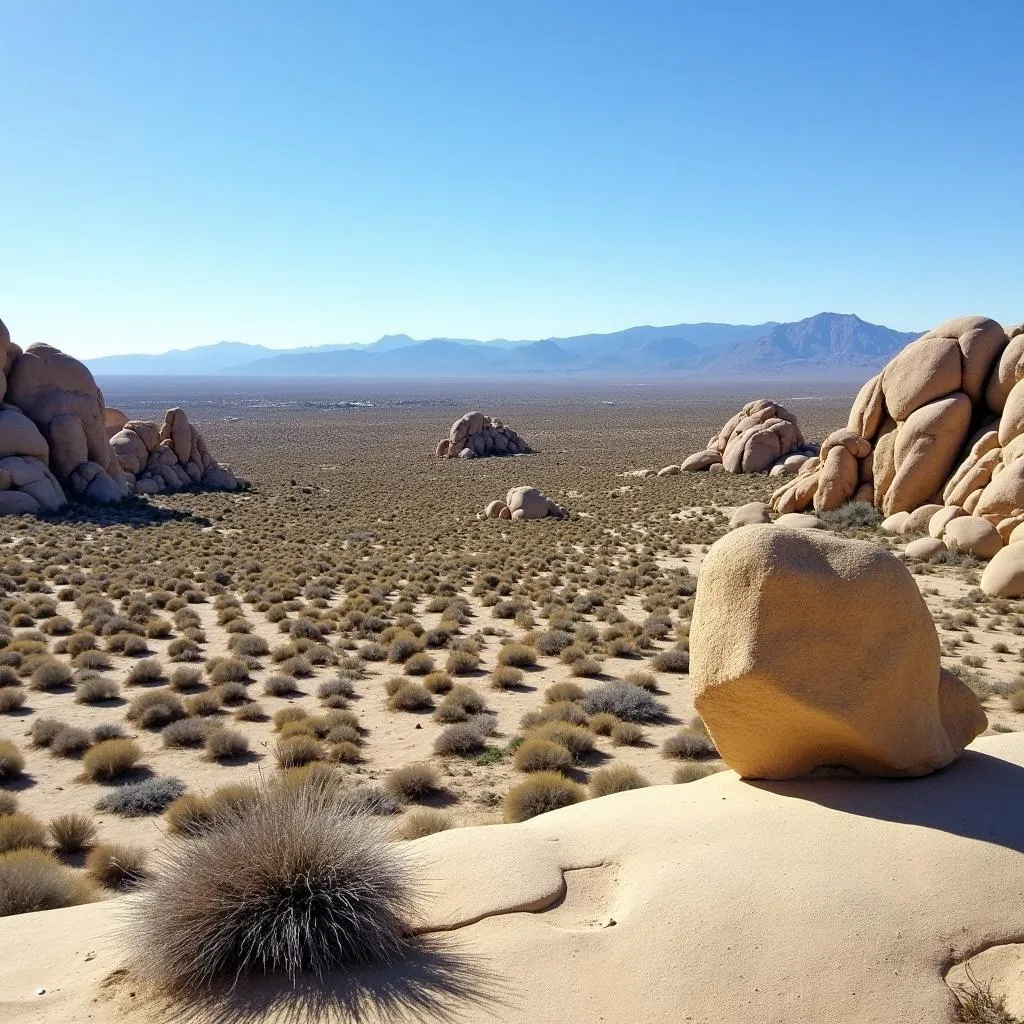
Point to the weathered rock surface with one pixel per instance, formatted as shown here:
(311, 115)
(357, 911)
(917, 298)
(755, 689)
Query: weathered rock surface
(747, 515)
(56, 439)
(763, 435)
(524, 503)
(475, 435)
(943, 424)
(808, 650)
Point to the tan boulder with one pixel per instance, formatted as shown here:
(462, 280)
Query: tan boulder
(865, 492)
(493, 510)
(927, 369)
(699, 461)
(971, 501)
(1004, 574)
(1005, 527)
(20, 436)
(883, 460)
(752, 512)
(1004, 494)
(973, 536)
(938, 521)
(868, 409)
(918, 520)
(773, 608)
(23, 473)
(924, 548)
(530, 503)
(795, 462)
(927, 445)
(668, 471)
(837, 479)
(113, 420)
(442, 447)
(799, 521)
(972, 478)
(8, 353)
(1005, 374)
(1011, 422)
(715, 467)
(859, 447)
(896, 523)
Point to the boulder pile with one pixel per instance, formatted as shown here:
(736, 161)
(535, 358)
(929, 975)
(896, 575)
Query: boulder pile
(55, 435)
(476, 435)
(773, 608)
(935, 438)
(524, 503)
(762, 436)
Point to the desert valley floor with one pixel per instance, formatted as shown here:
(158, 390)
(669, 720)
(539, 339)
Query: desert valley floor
(353, 606)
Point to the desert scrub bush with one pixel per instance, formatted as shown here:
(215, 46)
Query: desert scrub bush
(344, 752)
(116, 865)
(304, 882)
(155, 709)
(20, 831)
(44, 729)
(411, 697)
(412, 782)
(540, 793)
(8, 803)
(157, 629)
(50, 675)
(459, 740)
(32, 880)
(108, 731)
(517, 655)
(423, 821)
(203, 704)
(297, 666)
(624, 700)
(642, 679)
(689, 744)
(290, 714)
(1016, 699)
(184, 678)
(250, 711)
(181, 648)
(227, 670)
(249, 646)
(11, 698)
(231, 693)
(602, 723)
(70, 741)
(626, 734)
(403, 647)
(505, 677)
(558, 692)
(188, 815)
(419, 664)
(96, 690)
(296, 751)
(438, 682)
(673, 659)
(694, 770)
(97, 661)
(461, 662)
(280, 685)
(12, 761)
(615, 778)
(187, 732)
(136, 799)
(337, 690)
(226, 744)
(467, 698)
(110, 759)
(853, 515)
(577, 740)
(372, 651)
(539, 755)
(144, 672)
(131, 645)
(71, 833)
(553, 641)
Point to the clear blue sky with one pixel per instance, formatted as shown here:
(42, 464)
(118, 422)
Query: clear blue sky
(293, 173)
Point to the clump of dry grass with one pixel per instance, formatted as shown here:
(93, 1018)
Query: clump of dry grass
(116, 865)
(517, 656)
(693, 770)
(423, 821)
(540, 793)
(303, 882)
(20, 831)
(540, 755)
(616, 778)
(12, 761)
(110, 759)
(72, 832)
(459, 740)
(412, 782)
(32, 880)
(690, 743)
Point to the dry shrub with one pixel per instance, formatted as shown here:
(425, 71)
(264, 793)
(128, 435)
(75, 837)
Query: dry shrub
(280, 685)
(693, 771)
(602, 723)
(624, 700)
(116, 865)
(203, 704)
(438, 682)
(538, 755)
(419, 664)
(626, 734)
(227, 670)
(8, 802)
(20, 831)
(295, 751)
(413, 782)
(672, 660)
(149, 670)
(12, 761)
(344, 752)
(44, 729)
(70, 742)
(460, 663)
(541, 792)
(558, 692)
(155, 709)
(32, 880)
(505, 677)
(96, 690)
(303, 882)
(11, 698)
(459, 740)
(423, 821)
(690, 743)
(184, 678)
(250, 711)
(72, 832)
(642, 679)
(188, 732)
(151, 796)
(616, 778)
(517, 655)
(226, 745)
(188, 815)
(411, 697)
(577, 740)
(50, 675)
(111, 759)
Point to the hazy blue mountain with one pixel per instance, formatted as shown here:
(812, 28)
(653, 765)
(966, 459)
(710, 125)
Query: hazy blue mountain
(827, 342)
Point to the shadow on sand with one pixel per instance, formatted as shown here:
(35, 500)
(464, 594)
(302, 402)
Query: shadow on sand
(978, 796)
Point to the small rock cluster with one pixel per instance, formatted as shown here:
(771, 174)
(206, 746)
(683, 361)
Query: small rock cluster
(524, 503)
(762, 436)
(476, 435)
(773, 608)
(55, 442)
(169, 457)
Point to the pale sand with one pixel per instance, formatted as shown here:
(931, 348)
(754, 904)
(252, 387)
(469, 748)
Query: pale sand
(721, 902)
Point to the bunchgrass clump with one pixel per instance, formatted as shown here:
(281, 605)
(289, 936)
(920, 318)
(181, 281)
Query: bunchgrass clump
(624, 700)
(116, 865)
(540, 793)
(32, 880)
(20, 831)
(135, 799)
(12, 761)
(615, 778)
(459, 740)
(423, 821)
(689, 744)
(305, 881)
(110, 759)
(538, 755)
(72, 832)
(413, 782)
(517, 655)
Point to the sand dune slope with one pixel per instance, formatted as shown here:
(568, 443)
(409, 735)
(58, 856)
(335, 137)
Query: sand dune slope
(718, 902)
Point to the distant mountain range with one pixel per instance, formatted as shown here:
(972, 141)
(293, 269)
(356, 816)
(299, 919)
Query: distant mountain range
(829, 343)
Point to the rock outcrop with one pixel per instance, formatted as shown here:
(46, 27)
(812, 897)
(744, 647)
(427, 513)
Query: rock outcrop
(524, 503)
(809, 651)
(55, 439)
(475, 435)
(762, 436)
(168, 458)
(941, 427)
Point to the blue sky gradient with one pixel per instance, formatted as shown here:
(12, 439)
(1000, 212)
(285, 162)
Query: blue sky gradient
(178, 173)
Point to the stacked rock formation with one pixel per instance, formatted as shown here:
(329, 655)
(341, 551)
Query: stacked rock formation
(773, 607)
(55, 430)
(763, 435)
(935, 439)
(475, 435)
(168, 458)
(524, 503)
